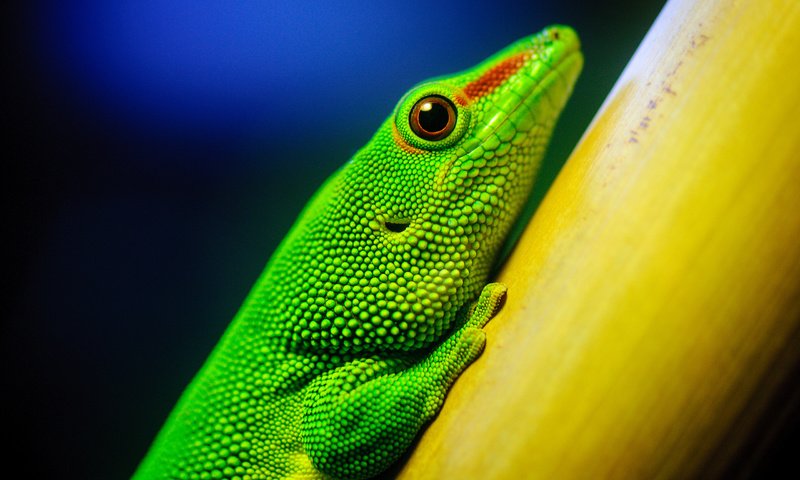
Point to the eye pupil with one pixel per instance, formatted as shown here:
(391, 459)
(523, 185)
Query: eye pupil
(433, 118)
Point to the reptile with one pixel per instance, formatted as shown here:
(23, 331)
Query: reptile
(374, 302)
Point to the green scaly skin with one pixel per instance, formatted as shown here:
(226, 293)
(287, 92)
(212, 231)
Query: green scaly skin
(361, 321)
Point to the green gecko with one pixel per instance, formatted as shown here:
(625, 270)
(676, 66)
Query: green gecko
(367, 313)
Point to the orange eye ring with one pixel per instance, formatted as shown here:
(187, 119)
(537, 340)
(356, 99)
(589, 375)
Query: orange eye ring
(433, 118)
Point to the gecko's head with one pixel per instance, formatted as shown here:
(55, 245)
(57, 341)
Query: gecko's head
(422, 210)
(513, 96)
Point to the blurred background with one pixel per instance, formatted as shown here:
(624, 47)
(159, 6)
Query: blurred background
(159, 150)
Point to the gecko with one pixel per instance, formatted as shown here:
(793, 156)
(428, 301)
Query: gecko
(374, 302)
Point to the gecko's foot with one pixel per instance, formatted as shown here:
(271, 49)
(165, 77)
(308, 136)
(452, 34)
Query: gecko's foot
(470, 346)
(472, 339)
(466, 344)
(492, 298)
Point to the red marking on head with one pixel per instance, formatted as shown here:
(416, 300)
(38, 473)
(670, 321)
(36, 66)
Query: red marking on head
(400, 142)
(495, 76)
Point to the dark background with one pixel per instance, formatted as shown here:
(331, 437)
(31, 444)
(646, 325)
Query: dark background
(160, 150)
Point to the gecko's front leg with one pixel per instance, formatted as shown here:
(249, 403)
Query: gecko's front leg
(359, 418)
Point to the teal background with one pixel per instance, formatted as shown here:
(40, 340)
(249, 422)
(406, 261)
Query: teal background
(160, 150)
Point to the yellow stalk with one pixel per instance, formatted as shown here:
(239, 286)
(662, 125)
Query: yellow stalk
(654, 300)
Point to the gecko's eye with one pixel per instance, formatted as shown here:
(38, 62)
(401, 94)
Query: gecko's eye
(433, 118)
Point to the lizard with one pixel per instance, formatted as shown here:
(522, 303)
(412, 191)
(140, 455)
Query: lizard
(374, 302)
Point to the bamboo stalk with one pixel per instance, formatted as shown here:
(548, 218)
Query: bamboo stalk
(654, 300)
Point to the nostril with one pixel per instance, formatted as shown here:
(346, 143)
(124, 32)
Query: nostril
(397, 227)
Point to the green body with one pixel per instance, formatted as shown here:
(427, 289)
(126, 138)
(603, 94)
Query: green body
(361, 321)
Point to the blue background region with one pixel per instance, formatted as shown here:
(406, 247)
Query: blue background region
(159, 151)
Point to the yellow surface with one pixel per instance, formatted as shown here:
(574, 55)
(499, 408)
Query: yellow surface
(654, 300)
